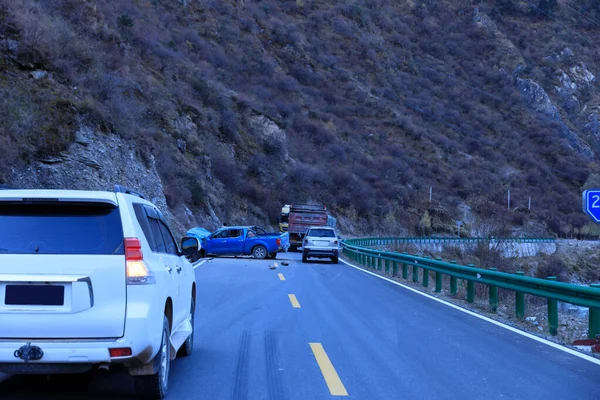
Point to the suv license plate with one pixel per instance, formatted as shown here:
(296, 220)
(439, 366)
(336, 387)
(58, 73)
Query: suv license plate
(35, 295)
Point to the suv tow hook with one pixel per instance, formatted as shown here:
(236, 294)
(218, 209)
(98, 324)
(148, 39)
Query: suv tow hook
(28, 353)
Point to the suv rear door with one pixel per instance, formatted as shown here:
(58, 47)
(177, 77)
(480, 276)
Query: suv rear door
(62, 269)
(165, 254)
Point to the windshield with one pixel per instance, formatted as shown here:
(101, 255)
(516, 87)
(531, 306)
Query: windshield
(321, 233)
(64, 228)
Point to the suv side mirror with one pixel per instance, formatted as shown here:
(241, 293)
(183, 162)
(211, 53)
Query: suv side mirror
(189, 246)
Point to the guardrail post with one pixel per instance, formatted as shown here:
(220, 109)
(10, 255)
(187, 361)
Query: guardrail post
(394, 268)
(453, 283)
(438, 279)
(493, 295)
(594, 319)
(520, 300)
(404, 271)
(415, 271)
(426, 275)
(552, 312)
(470, 287)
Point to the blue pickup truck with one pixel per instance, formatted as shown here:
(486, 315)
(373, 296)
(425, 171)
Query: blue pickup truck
(244, 241)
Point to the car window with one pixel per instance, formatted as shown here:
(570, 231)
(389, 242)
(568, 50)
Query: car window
(321, 233)
(65, 228)
(233, 233)
(171, 246)
(160, 243)
(251, 234)
(143, 220)
(220, 235)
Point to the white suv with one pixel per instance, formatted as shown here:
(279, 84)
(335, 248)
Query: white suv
(320, 242)
(89, 279)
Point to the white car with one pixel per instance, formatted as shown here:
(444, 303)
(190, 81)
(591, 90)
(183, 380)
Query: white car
(320, 242)
(89, 279)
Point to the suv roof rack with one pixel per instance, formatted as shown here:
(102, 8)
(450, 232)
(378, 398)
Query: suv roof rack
(123, 189)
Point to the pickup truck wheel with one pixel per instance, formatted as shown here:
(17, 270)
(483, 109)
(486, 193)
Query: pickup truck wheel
(156, 386)
(259, 252)
(304, 257)
(188, 346)
(334, 260)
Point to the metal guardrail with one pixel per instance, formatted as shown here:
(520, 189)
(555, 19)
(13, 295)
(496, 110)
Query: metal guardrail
(379, 241)
(359, 251)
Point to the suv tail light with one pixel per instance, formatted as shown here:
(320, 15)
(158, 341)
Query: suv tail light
(278, 242)
(120, 352)
(137, 270)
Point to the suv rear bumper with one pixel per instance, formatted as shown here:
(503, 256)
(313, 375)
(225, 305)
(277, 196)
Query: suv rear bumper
(59, 355)
(142, 335)
(320, 252)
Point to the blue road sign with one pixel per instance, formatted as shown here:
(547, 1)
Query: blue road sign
(591, 203)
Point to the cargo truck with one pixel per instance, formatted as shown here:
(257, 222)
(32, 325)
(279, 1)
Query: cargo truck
(303, 216)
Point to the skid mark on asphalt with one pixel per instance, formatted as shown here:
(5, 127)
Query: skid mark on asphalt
(274, 370)
(294, 301)
(332, 379)
(240, 384)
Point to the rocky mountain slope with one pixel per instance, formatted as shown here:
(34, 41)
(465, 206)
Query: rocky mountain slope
(225, 110)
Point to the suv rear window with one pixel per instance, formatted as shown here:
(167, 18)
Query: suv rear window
(321, 233)
(60, 228)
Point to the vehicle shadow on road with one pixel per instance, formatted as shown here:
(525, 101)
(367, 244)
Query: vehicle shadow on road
(97, 385)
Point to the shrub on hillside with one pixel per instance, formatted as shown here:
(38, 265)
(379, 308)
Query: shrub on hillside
(552, 266)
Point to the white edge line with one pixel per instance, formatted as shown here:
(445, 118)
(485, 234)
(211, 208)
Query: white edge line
(500, 324)
(200, 263)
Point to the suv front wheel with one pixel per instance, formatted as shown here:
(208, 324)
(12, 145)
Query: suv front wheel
(156, 386)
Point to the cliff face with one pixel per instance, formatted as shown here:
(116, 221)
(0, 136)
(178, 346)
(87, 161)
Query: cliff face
(223, 111)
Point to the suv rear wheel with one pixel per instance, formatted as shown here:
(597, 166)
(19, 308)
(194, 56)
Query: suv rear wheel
(334, 260)
(156, 386)
(304, 256)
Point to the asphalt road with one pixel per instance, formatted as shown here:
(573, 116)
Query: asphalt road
(320, 330)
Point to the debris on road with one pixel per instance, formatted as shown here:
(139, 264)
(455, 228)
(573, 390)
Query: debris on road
(285, 263)
(273, 266)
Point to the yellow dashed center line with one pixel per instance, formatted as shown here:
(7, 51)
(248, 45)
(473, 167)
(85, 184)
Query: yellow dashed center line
(281, 277)
(334, 383)
(294, 301)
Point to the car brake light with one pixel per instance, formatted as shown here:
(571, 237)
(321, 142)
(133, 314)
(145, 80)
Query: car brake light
(120, 352)
(278, 242)
(137, 270)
